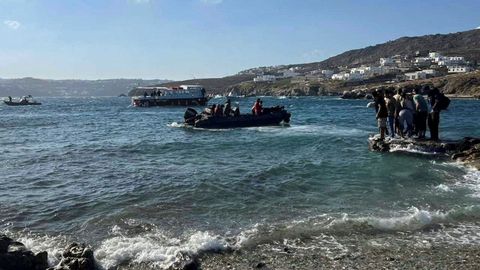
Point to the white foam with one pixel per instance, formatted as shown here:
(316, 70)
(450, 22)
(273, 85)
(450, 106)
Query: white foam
(471, 180)
(410, 149)
(155, 248)
(443, 188)
(53, 245)
(316, 130)
(414, 220)
(176, 125)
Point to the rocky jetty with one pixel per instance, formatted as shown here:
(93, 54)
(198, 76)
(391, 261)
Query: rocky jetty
(356, 94)
(466, 150)
(15, 256)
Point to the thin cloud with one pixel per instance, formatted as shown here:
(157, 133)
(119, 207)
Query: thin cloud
(478, 27)
(314, 54)
(140, 1)
(14, 25)
(212, 2)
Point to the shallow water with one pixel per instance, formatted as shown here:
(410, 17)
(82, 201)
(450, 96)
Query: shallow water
(140, 187)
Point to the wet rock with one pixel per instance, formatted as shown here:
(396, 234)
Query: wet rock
(191, 265)
(76, 257)
(356, 94)
(41, 259)
(15, 256)
(466, 150)
(260, 265)
(4, 243)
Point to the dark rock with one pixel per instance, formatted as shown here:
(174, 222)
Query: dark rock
(41, 260)
(260, 265)
(4, 243)
(16, 247)
(15, 256)
(191, 265)
(76, 257)
(355, 94)
(466, 150)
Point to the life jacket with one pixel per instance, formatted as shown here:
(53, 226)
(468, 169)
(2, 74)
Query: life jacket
(257, 108)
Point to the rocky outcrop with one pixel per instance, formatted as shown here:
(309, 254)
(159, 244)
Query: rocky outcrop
(15, 256)
(76, 257)
(466, 150)
(356, 94)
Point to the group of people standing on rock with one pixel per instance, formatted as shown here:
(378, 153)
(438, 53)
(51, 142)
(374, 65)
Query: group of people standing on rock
(407, 112)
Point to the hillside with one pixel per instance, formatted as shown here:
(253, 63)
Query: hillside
(40, 87)
(465, 44)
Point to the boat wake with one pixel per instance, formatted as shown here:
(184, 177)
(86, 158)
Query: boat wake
(176, 125)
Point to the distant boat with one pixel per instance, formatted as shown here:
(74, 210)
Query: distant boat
(25, 100)
(233, 95)
(184, 95)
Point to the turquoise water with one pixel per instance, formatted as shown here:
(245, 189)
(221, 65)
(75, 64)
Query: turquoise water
(140, 187)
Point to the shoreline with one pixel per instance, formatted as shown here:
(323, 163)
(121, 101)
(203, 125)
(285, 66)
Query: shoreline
(405, 257)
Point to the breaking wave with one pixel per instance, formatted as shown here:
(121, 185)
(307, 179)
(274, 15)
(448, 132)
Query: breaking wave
(155, 249)
(158, 249)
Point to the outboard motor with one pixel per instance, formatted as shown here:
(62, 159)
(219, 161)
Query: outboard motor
(189, 116)
(286, 117)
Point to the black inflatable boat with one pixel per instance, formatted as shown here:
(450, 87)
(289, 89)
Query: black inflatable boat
(271, 117)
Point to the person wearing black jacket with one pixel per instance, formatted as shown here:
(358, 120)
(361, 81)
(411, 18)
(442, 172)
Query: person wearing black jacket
(434, 115)
(382, 112)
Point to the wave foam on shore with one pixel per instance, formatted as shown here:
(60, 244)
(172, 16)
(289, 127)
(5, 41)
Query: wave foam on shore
(158, 249)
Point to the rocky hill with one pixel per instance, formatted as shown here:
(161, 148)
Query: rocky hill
(465, 44)
(40, 87)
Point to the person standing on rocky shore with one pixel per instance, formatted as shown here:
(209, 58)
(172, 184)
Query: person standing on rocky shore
(391, 107)
(382, 112)
(434, 115)
(421, 108)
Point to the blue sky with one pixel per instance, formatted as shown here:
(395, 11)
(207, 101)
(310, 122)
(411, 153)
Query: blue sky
(183, 39)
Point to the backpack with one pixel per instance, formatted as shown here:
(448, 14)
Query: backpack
(443, 102)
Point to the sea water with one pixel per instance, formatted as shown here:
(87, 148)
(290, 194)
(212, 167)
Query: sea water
(141, 188)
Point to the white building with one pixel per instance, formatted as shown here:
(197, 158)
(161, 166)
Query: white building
(386, 61)
(459, 69)
(430, 72)
(451, 61)
(341, 76)
(289, 73)
(418, 75)
(265, 78)
(423, 61)
(434, 55)
(327, 73)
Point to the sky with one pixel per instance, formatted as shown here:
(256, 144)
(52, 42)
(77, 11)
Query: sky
(186, 39)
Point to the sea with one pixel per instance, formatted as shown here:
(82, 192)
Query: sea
(142, 189)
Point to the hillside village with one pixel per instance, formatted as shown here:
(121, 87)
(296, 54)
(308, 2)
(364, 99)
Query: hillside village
(397, 68)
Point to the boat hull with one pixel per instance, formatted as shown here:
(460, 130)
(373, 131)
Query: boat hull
(246, 120)
(13, 103)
